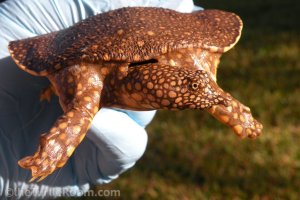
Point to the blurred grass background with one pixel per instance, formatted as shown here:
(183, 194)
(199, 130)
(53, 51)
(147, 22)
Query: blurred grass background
(190, 155)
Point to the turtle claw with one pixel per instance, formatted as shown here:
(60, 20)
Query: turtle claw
(38, 170)
(32, 179)
(42, 178)
(36, 177)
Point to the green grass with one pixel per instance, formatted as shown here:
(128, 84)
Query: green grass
(192, 156)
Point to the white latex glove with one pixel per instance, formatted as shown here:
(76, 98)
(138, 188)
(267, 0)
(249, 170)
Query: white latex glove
(117, 138)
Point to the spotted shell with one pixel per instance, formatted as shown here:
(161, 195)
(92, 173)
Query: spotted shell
(130, 34)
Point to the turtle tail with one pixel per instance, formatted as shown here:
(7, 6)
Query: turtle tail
(31, 54)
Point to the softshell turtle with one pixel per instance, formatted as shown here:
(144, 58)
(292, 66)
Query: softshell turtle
(133, 58)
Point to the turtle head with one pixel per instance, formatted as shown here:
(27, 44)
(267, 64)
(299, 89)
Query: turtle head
(193, 90)
(154, 86)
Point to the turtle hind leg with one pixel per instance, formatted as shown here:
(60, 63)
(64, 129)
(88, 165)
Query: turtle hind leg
(80, 105)
(47, 93)
(238, 117)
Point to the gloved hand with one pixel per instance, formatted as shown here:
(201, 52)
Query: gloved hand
(116, 139)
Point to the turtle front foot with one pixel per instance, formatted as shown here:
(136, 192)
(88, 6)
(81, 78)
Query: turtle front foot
(238, 117)
(57, 146)
(243, 124)
(51, 154)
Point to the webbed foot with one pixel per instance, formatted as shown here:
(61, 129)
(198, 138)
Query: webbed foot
(238, 117)
(57, 146)
(51, 154)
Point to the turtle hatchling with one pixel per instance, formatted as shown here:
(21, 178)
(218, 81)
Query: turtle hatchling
(133, 58)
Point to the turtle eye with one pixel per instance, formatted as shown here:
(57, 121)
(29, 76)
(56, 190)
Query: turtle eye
(194, 86)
